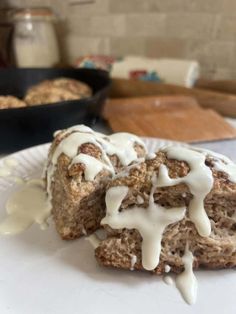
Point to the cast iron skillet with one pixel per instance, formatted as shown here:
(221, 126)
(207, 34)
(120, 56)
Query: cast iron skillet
(24, 127)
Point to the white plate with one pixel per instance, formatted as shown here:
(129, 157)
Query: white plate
(41, 274)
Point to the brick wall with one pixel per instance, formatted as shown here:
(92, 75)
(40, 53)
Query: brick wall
(204, 30)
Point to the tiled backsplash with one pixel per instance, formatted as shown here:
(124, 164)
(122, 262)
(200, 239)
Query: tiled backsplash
(204, 30)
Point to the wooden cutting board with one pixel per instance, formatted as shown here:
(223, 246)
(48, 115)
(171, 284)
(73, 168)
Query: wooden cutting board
(221, 102)
(143, 105)
(174, 117)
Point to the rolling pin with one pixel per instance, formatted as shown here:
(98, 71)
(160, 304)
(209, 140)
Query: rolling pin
(223, 86)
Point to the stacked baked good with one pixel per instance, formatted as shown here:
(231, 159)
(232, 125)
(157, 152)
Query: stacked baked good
(179, 200)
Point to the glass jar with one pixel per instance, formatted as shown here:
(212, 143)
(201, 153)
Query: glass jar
(35, 43)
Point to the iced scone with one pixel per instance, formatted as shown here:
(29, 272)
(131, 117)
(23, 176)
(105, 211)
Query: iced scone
(175, 210)
(80, 165)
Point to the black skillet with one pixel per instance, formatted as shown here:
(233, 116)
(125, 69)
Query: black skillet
(24, 127)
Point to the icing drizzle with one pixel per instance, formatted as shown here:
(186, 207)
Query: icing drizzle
(26, 206)
(186, 282)
(221, 162)
(120, 144)
(199, 180)
(150, 222)
(92, 165)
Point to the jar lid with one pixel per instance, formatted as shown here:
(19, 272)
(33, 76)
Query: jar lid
(38, 12)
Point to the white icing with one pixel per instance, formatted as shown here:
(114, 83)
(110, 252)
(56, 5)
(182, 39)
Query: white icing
(150, 156)
(114, 198)
(229, 169)
(150, 222)
(186, 282)
(199, 180)
(75, 128)
(168, 280)
(167, 268)
(92, 166)
(27, 206)
(133, 261)
(120, 144)
(69, 146)
(123, 147)
(221, 163)
(81, 128)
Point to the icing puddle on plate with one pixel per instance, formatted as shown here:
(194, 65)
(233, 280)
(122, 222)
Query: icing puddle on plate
(26, 206)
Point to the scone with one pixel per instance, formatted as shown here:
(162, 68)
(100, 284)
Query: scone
(80, 164)
(7, 102)
(51, 91)
(182, 198)
(48, 95)
(74, 86)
